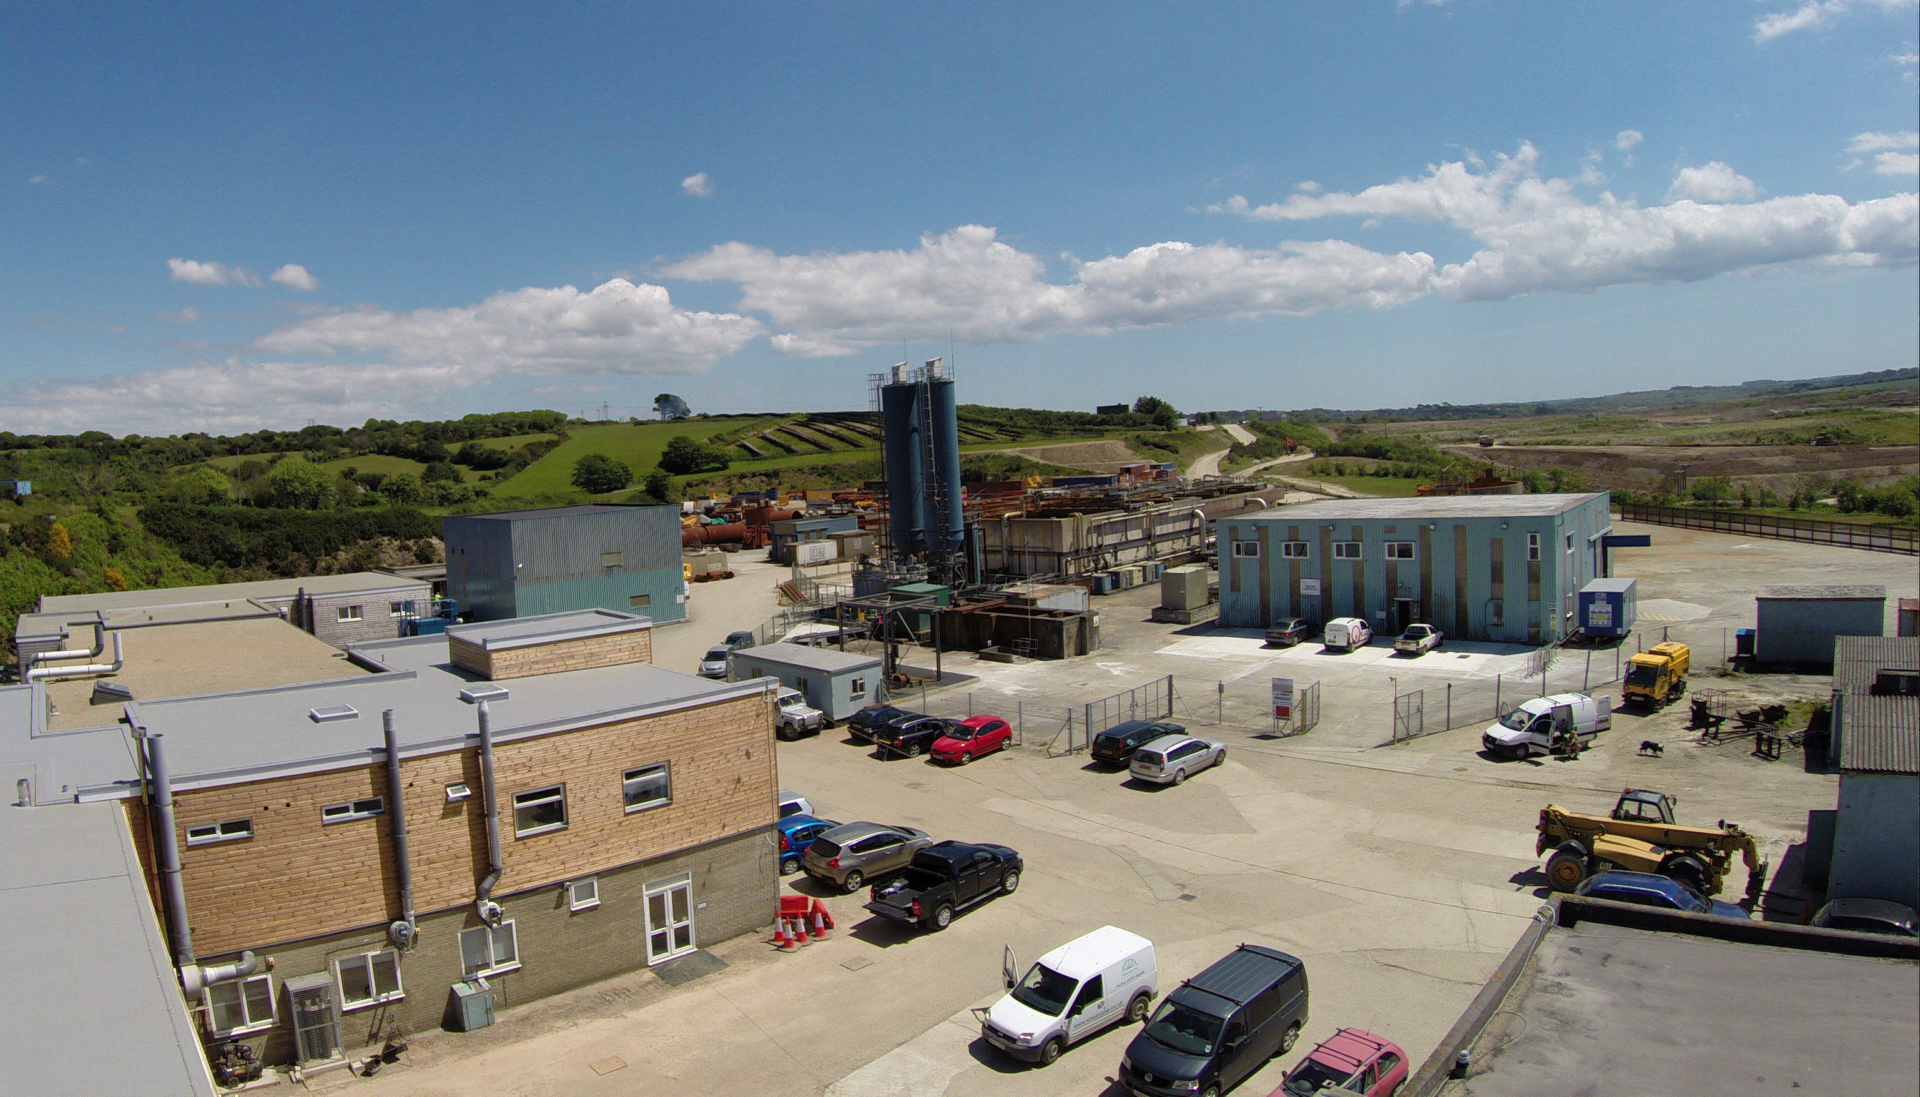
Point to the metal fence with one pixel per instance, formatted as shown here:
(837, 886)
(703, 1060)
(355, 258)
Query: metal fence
(1896, 539)
(1433, 708)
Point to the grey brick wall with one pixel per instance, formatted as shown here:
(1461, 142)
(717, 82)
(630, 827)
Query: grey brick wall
(735, 890)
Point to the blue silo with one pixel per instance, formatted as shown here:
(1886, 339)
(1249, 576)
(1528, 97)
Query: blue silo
(946, 528)
(901, 412)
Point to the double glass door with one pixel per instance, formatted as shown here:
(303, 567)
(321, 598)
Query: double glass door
(669, 918)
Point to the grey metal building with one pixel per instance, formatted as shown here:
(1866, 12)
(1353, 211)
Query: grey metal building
(525, 563)
(1876, 735)
(1479, 567)
(837, 683)
(784, 535)
(1797, 625)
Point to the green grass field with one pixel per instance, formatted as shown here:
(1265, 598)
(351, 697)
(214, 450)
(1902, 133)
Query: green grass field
(637, 444)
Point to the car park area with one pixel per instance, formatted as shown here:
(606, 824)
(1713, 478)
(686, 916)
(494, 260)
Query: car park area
(1401, 875)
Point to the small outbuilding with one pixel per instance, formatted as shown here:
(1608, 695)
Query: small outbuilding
(785, 538)
(1797, 625)
(526, 563)
(838, 683)
(1876, 737)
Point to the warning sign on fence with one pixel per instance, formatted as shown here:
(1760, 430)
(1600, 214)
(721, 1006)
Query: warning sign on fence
(1283, 698)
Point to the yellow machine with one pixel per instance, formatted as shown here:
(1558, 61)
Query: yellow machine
(1657, 675)
(1641, 836)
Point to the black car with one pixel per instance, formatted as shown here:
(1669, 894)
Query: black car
(909, 736)
(1869, 916)
(1285, 634)
(944, 879)
(1116, 745)
(862, 724)
(737, 641)
(1220, 1026)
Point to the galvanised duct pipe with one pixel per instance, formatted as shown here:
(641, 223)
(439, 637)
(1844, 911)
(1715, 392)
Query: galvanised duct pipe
(193, 977)
(39, 674)
(489, 912)
(402, 932)
(99, 645)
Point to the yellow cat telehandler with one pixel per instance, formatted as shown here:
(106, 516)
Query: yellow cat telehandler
(1641, 836)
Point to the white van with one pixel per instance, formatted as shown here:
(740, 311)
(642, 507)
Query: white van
(1534, 726)
(1347, 633)
(1073, 992)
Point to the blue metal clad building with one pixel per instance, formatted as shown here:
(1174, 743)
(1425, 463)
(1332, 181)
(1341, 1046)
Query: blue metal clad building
(1478, 567)
(528, 562)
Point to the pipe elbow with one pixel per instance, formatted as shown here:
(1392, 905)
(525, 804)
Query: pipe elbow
(195, 978)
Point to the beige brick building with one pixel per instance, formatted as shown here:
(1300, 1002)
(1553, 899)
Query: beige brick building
(633, 808)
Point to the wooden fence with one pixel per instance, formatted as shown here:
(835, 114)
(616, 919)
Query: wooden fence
(1904, 540)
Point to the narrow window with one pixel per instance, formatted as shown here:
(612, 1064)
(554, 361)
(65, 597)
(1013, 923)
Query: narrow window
(1533, 546)
(1569, 542)
(1399, 550)
(396, 609)
(206, 834)
(583, 894)
(351, 810)
(1246, 549)
(1346, 550)
(639, 601)
(239, 1007)
(490, 950)
(368, 979)
(1296, 550)
(647, 787)
(857, 687)
(611, 560)
(539, 810)
(349, 613)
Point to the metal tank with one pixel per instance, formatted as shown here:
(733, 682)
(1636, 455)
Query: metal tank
(946, 528)
(901, 412)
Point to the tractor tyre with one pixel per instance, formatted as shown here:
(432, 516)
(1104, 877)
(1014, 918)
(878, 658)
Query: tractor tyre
(1687, 869)
(1566, 868)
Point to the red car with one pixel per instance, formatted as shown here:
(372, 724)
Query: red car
(966, 740)
(1352, 1060)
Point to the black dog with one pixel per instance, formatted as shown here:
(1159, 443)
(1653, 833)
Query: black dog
(1648, 746)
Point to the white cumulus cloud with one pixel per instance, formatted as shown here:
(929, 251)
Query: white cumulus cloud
(1812, 14)
(1625, 140)
(1893, 153)
(1539, 235)
(982, 290)
(195, 272)
(697, 185)
(295, 276)
(1712, 182)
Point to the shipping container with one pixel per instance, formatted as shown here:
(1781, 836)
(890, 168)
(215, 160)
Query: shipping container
(1607, 607)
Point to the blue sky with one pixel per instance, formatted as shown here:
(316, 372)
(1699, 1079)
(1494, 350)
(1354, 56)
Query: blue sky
(229, 217)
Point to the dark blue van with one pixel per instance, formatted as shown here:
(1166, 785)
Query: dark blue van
(1220, 1026)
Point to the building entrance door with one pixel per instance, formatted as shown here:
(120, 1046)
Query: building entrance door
(669, 918)
(1402, 614)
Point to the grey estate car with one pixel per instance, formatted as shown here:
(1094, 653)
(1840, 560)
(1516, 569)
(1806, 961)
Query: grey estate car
(852, 855)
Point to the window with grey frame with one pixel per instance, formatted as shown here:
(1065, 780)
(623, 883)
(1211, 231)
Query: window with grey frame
(649, 786)
(347, 811)
(1346, 550)
(539, 811)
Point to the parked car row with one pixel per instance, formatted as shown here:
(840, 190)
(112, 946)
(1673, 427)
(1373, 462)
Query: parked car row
(1157, 751)
(1347, 633)
(900, 733)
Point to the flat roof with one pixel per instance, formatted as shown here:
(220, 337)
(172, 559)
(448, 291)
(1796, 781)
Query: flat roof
(549, 628)
(1644, 1011)
(95, 1005)
(226, 592)
(1830, 592)
(255, 734)
(1433, 506)
(806, 657)
(558, 512)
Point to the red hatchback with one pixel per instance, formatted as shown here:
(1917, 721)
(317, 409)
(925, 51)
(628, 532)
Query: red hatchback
(1352, 1060)
(969, 739)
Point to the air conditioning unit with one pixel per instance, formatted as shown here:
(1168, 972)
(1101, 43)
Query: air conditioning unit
(316, 1018)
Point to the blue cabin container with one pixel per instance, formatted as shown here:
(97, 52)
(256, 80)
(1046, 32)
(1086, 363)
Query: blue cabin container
(1607, 607)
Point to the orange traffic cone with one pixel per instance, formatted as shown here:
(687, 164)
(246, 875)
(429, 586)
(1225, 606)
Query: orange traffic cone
(819, 920)
(826, 916)
(800, 931)
(780, 938)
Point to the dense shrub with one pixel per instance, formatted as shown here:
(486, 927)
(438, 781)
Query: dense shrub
(280, 541)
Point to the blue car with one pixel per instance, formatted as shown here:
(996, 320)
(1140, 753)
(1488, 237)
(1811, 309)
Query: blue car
(797, 832)
(1650, 890)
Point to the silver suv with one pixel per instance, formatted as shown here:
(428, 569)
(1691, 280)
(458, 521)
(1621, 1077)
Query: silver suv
(850, 856)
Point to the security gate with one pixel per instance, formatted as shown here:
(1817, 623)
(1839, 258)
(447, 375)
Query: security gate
(1409, 715)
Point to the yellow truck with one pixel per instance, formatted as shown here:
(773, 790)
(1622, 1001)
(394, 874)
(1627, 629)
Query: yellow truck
(1641, 836)
(1656, 675)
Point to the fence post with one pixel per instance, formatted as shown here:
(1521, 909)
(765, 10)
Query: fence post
(1220, 712)
(1020, 720)
(1393, 688)
(969, 704)
(1586, 679)
(1449, 726)
(1496, 698)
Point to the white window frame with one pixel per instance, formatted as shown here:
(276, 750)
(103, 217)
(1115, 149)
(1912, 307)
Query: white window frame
(366, 960)
(559, 794)
(1400, 550)
(581, 895)
(629, 776)
(1246, 550)
(1347, 550)
(367, 807)
(347, 614)
(495, 965)
(857, 688)
(396, 609)
(227, 830)
(1533, 546)
(252, 1024)
(1293, 550)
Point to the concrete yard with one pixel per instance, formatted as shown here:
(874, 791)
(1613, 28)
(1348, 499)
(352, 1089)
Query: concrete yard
(1402, 874)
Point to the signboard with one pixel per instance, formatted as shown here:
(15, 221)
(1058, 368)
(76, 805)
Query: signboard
(1283, 698)
(1310, 588)
(1599, 614)
(814, 552)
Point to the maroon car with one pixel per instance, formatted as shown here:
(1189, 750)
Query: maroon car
(1352, 1060)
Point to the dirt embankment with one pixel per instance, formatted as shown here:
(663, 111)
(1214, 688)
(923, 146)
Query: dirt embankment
(1780, 468)
(1102, 458)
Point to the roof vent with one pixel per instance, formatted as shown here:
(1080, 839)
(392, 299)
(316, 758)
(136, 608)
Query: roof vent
(1896, 681)
(477, 694)
(331, 713)
(110, 693)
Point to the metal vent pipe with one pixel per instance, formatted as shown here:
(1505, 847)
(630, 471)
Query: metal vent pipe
(489, 912)
(99, 645)
(39, 674)
(193, 977)
(405, 930)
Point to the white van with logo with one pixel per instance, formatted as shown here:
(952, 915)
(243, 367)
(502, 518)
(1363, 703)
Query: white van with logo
(1537, 726)
(1347, 633)
(1074, 991)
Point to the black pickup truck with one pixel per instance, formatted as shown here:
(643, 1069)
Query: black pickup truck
(945, 878)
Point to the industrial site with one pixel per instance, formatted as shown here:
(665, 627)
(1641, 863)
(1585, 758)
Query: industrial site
(706, 795)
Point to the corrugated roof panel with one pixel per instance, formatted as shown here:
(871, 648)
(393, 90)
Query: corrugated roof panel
(1881, 733)
(1858, 659)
